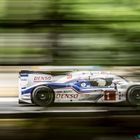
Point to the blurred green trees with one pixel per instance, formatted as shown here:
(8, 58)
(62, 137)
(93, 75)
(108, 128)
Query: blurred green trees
(64, 32)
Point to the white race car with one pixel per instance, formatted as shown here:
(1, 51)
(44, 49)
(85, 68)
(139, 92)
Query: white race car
(76, 87)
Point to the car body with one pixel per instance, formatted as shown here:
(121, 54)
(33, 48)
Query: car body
(76, 87)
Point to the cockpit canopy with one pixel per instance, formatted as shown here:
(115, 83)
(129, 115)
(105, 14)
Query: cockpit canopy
(96, 77)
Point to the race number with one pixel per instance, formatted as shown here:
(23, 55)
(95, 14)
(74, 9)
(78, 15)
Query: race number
(110, 95)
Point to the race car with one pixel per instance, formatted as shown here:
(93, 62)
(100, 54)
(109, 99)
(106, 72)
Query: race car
(44, 89)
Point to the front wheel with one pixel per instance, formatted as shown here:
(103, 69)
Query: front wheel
(133, 95)
(42, 96)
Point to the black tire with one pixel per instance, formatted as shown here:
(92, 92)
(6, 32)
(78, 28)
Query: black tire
(42, 96)
(133, 95)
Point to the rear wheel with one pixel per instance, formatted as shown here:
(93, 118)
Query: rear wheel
(133, 95)
(43, 96)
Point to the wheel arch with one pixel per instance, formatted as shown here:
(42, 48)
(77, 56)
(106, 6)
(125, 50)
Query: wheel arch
(127, 92)
(38, 87)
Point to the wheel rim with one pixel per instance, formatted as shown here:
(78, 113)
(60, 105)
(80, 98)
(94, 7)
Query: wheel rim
(135, 96)
(43, 96)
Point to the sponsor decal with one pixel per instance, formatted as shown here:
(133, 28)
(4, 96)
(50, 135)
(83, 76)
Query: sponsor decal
(65, 91)
(110, 95)
(67, 96)
(42, 78)
(83, 84)
(59, 92)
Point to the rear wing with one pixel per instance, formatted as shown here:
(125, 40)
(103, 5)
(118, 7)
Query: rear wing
(29, 78)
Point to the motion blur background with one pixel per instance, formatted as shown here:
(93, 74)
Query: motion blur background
(69, 32)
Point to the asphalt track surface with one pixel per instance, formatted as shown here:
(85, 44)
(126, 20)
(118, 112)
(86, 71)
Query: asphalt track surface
(11, 105)
(68, 121)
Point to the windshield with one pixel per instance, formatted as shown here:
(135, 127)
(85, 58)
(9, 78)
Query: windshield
(120, 79)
